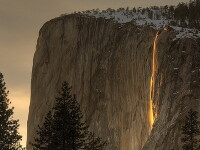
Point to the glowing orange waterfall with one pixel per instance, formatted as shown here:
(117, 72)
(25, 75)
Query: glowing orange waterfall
(152, 82)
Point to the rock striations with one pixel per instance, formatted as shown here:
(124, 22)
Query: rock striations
(109, 66)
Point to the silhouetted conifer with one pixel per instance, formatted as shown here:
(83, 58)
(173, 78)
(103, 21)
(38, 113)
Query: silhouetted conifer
(64, 128)
(44, 138)
(9, 136)
(95, 143)
(191, 131)
(181, 13)
(70, 130)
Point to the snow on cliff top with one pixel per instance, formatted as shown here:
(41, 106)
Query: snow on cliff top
(153, 18)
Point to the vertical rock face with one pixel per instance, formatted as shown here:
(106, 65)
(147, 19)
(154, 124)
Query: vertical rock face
(109, 67)
(176, 89)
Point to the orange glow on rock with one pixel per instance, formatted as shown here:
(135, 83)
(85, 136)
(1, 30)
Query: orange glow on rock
(152, 82)
(165, 29)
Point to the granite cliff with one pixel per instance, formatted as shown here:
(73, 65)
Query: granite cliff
(134, 87)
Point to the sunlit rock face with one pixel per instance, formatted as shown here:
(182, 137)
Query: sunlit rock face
(109, 66)
(176, 89)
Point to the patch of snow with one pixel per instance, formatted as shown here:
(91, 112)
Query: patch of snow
(157, 21)
(186, 33)
(193, 71)
(176, 68)
(124, 16)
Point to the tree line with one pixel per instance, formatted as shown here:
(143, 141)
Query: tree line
(188, 14)
(182, 15)
(64, 127)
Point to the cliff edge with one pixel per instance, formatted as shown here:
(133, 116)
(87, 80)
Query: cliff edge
(124, 97)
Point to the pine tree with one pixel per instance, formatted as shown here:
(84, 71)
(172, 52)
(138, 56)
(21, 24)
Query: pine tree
(64, 128)
(150, 14)
(43, 141)
(192, 14)
(78, 129)
(70, 130)
(9, 136)
(191, 131)
(134, 10)
(61, 118)
(95, 143)
(181, 13)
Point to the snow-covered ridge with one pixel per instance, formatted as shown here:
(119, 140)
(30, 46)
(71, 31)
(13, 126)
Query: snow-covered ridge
(156, 18)
(124, 16)
(186, 33)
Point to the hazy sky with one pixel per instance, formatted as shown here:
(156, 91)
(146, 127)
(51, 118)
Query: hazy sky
(20, 21)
